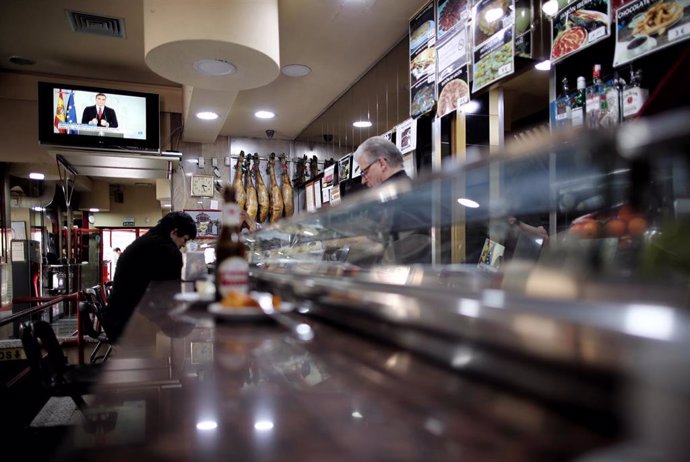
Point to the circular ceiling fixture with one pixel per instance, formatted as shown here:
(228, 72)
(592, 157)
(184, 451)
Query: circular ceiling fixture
(207, 115)
(214, 67)
(295, 70)
(544, 65)
(362, 124)
(264, 114)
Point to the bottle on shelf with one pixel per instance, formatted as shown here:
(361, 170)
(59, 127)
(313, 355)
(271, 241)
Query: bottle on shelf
(577, 110)
(594, 95)
(634, 96)
(232, 268)
(614, 90)
(563, 107)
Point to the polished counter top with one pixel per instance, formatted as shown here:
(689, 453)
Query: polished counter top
(199, 388)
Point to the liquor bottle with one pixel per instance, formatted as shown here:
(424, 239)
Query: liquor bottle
(614, 90)
(634, 96)
(563, 107)
(232, 268)
(577, 110)
(594, 93)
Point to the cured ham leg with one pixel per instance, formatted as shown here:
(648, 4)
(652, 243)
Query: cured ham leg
(240, 193)
(252, 202)
(261, 190)
(286, 187)
(275, 195)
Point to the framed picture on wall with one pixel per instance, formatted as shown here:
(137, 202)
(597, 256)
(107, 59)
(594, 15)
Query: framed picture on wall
(345, 168)
(207, 222)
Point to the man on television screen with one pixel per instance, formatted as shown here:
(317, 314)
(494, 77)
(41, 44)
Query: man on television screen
(99, 114)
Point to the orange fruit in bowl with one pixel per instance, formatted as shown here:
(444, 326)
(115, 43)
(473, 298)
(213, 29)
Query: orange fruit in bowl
(590, 229)
(637, 226)
(615, 227)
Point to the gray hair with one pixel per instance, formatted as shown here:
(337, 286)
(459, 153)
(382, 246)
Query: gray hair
(378, 146)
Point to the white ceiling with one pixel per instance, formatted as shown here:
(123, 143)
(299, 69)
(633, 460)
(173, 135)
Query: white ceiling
(338, 39)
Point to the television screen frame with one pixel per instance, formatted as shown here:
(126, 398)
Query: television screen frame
(128, 136)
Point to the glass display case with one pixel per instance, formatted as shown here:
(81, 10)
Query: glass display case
(560, 268)
(554, 219)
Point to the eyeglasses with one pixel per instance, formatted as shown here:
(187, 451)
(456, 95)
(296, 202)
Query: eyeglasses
(366, 169)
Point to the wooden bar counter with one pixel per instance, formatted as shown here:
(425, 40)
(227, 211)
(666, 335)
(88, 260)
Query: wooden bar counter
(216, 390)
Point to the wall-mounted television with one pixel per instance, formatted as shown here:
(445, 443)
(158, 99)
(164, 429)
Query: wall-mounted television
(97, 118)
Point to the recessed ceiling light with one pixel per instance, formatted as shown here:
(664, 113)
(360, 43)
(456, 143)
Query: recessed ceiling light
(550, 8)
(264, 114)
(468, 202)
(362, 124)
(207, 115)
(295, 70)
(214, 67)
(543, 65)
(36, 176)
(94, 210)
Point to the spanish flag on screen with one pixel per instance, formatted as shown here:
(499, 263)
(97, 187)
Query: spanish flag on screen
(59, 114)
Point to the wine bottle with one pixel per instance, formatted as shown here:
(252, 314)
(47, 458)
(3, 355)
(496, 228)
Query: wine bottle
(593, 104)
(232, 268)
(577, 111)
(563, 107)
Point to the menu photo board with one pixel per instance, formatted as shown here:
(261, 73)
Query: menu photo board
(578, 26)
(645, 26)
(493, 54)
(523, 29)
(422, 61)
(452, 56)
(406, 136)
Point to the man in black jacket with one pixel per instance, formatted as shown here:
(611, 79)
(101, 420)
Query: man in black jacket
(99, 114)
(408, 222)
(155, 256)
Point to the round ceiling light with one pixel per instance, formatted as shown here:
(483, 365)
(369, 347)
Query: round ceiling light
(544, 65)
(295, 70)
(550, 8)
(214, 67)
(362, 124)
(264, 114)
(207, 115)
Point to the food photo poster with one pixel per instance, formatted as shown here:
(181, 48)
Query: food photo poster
(493, 54)
(452, 56)
(406, 136)
(578, 26)
(523, 29)
(422, 61)
(646, 26)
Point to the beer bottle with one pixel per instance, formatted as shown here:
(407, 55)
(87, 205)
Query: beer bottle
(232, 268)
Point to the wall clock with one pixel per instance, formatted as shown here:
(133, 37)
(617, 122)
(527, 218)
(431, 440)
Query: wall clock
(202, 186)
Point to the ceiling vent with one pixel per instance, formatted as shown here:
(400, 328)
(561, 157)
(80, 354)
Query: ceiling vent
(99, 25)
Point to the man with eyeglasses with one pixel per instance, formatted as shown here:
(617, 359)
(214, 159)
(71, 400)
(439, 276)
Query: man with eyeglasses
(405, 223)
(379, 160)
(155, 256)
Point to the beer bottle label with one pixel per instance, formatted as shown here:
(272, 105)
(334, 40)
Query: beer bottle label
(233, 275)
(231, 214)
